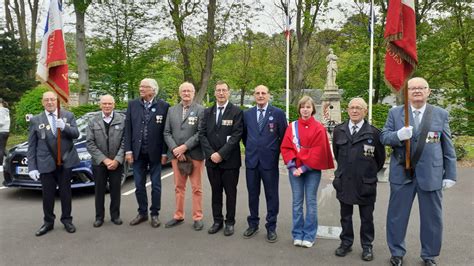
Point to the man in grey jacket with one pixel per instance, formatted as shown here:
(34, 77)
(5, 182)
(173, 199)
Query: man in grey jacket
(182, 137)
(105, 143)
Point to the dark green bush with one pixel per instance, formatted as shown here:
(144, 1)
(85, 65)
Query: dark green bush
(30, 103)
(461, 152)
(459, 122)
(293, 112)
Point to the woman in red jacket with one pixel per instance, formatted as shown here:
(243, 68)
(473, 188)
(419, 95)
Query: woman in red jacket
(306, 151)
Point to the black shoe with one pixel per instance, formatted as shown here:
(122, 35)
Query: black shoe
(272, 237)
(44, 229)
(155, 222)
(250, 232)
(173, 223)
(198, 225)
(70, 228)
(215, 228)
(367, 254)
(342, 251)
(98, 223)
(396, 261)
(139, 219)
(430, 262)
(117, 221)
(228, 230)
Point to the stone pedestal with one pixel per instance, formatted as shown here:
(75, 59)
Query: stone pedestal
(331, 105)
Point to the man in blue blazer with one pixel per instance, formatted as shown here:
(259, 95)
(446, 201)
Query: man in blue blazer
(146, 148)
(264, 128)
(433, 163)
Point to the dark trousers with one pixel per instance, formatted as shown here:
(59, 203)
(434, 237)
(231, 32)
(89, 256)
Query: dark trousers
(270, 178)
(3, 144)
(227, 180)
(140, 169)
(61, 178)
(366, 225)
(102, 175)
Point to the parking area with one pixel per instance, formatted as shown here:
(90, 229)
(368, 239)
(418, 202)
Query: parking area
(21, 216)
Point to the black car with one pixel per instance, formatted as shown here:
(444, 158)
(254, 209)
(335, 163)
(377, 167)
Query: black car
(16, 163)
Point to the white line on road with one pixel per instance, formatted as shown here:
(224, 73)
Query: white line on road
(147, 184)
(2, 188)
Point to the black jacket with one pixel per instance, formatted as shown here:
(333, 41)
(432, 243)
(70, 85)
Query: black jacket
(224, 139)
(359, 158)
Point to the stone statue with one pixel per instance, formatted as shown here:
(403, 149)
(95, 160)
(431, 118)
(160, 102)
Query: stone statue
(331, 69)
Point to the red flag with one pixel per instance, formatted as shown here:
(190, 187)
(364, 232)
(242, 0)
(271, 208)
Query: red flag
(52, 63)
(400, 35)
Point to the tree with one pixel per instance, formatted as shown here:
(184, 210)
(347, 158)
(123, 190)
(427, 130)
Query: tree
(16, 14)
(16, 65)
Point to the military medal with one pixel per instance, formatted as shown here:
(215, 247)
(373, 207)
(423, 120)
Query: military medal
(271, 126)
(159, 119)
(369, 150)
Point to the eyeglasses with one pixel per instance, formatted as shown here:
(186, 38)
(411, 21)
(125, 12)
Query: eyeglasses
(355, 108)
(417, 88)
(222, 90)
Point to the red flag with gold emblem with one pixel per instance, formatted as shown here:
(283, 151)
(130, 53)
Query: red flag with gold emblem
(400, 35)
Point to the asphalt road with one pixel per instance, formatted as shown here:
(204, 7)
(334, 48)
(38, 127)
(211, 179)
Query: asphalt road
(21, 215)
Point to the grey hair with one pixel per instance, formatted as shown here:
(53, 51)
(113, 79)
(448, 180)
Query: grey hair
(422, 80)
(359, 100)
(153, 84)
(106, 95)
(184, 84)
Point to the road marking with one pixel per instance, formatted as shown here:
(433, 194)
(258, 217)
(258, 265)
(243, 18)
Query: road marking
(2, 188)
(147, 184)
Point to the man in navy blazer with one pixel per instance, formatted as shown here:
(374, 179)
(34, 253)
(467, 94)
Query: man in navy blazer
(146, 148)
(264, 128)
(433, 171)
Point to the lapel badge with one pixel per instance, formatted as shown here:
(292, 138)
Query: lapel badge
(159, 119)
(369, 150)
(48, 127)
(117, 127)
(369, 141)
(192, 113)
(270, 118)
(153, 109)
(41, 126)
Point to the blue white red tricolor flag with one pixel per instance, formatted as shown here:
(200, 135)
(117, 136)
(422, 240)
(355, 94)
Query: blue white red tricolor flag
(52, 63)
(400, 34)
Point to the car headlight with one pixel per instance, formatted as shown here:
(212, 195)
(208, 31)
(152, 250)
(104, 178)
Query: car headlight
(84, 156)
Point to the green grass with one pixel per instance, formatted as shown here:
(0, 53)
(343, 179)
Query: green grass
(468, 144)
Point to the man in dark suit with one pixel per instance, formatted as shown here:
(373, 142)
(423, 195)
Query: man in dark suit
(433, 168)
(264, 128)
(359, 155)
(105, 143)
(42, 159)
(182, 137)
(146, 148)
(220, 134)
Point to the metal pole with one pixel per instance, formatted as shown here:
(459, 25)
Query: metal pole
(371, 68)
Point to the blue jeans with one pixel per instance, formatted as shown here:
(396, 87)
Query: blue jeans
(140, 169)
(303, 186)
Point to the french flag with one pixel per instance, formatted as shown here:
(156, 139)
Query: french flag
(52, 63)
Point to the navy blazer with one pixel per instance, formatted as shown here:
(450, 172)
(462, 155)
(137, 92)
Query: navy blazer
(224, 139)
(263, 146)
(134, 125)
(438, 159)
(41, 142)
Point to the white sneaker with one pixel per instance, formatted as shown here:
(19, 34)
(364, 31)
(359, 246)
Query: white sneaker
(297, 242)
(307, 244)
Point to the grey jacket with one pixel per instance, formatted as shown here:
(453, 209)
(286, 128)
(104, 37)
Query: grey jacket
(97, 139)
(42, 144)
(179, 131)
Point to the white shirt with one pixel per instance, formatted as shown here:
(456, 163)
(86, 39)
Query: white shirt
(422, 111)
(359, 125)
(223, 110)
(264, 110)
(107, 119)
(50, 118)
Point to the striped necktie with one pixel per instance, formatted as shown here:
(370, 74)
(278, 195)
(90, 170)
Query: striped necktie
(260, 119)
(53, 123)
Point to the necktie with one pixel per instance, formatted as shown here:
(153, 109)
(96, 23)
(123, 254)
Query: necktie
(354, 129)
(260, 119)
(416, 119)
(185, 111)
(53, 123)
(219, 117)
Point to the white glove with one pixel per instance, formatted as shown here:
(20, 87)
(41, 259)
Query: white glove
(447, 183)
(35, 175)
(60, 124)
(405, 133)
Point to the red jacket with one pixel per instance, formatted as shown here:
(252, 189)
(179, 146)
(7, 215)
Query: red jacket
(315, 151)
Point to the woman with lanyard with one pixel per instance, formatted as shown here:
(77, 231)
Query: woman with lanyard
(306, 151)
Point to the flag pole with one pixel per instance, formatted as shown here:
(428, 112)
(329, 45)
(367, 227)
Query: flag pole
(407, 123)
(371, 67)
(58, 134)
(287, 60)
